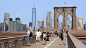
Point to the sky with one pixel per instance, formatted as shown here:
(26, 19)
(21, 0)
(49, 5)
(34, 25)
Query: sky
(24, 7)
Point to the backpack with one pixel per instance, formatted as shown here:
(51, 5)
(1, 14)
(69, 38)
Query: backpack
(30, 34)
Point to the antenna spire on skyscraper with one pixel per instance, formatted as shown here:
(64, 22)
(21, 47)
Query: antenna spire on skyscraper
(34, 4)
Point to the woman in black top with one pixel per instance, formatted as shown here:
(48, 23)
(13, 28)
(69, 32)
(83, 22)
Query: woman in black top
(61, 34)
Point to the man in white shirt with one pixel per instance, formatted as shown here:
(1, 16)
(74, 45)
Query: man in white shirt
(38, 35)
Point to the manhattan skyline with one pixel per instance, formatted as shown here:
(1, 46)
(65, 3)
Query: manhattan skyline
(24, 7)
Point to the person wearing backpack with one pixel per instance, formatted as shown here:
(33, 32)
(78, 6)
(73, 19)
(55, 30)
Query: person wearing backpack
(44, 38)
(62, 37)
(28, 38)
(47, 36)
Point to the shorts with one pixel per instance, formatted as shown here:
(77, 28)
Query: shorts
(53, 33)
(61, 38)
(28, 39)
(37, 38)
(44, 38)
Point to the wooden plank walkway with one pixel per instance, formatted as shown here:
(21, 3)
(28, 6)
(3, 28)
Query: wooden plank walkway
(53, 43)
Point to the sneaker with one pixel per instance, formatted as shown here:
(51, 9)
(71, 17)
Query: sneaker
(29, 45)
(43, 44)
(64, 44)
(38, 43)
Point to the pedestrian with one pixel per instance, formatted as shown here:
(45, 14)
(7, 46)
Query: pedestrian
(38, 35)
(53, 33)
(44, 38)
(61, 37)
(28, 38)
(47, 36)
(57, 33)
(66, 33)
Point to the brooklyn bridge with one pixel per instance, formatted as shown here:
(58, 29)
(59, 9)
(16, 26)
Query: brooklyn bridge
(73, 39)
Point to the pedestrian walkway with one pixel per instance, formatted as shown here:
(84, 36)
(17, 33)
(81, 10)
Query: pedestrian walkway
(53, 43)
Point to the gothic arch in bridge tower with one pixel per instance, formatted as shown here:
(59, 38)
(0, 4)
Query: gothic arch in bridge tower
(64, 11)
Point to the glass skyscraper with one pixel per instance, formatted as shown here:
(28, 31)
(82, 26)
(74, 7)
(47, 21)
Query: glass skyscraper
(6, 17)
(48, 19)
(33, 18)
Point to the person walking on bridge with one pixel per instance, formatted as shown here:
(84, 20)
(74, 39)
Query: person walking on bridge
(61, 37)
(38, 35)
(28, 38)
(53, 33)
(44, 38)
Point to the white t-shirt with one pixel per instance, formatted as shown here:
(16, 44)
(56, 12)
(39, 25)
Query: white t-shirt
(38, 34)
(28, 33)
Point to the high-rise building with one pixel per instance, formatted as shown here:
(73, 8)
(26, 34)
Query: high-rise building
(13, 26)
(30, 29)
(85, 26)
(18, 16)
(48, 20)
(18, 20)
(24, 27)
(79, 23)
(6, 17)
(30, 24)
(11, 19)
(33, 18)
(3, 27)
(35, 28)
(41, 25)
(20, 27)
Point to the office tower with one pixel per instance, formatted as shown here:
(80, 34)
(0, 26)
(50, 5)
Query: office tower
(18, 16)
(85, 26)
(33, 18)
(6, 17)
(30, 24)
(13, 26)
(41, 25)
(20, 27)
(48, 20)
(18, 20)
(79, 23)
(10, 19)
(24, 27)
(35, 28)
(30, 29)
(3, 27)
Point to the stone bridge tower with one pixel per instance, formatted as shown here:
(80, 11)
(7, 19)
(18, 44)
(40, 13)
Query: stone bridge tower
(64, 11)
